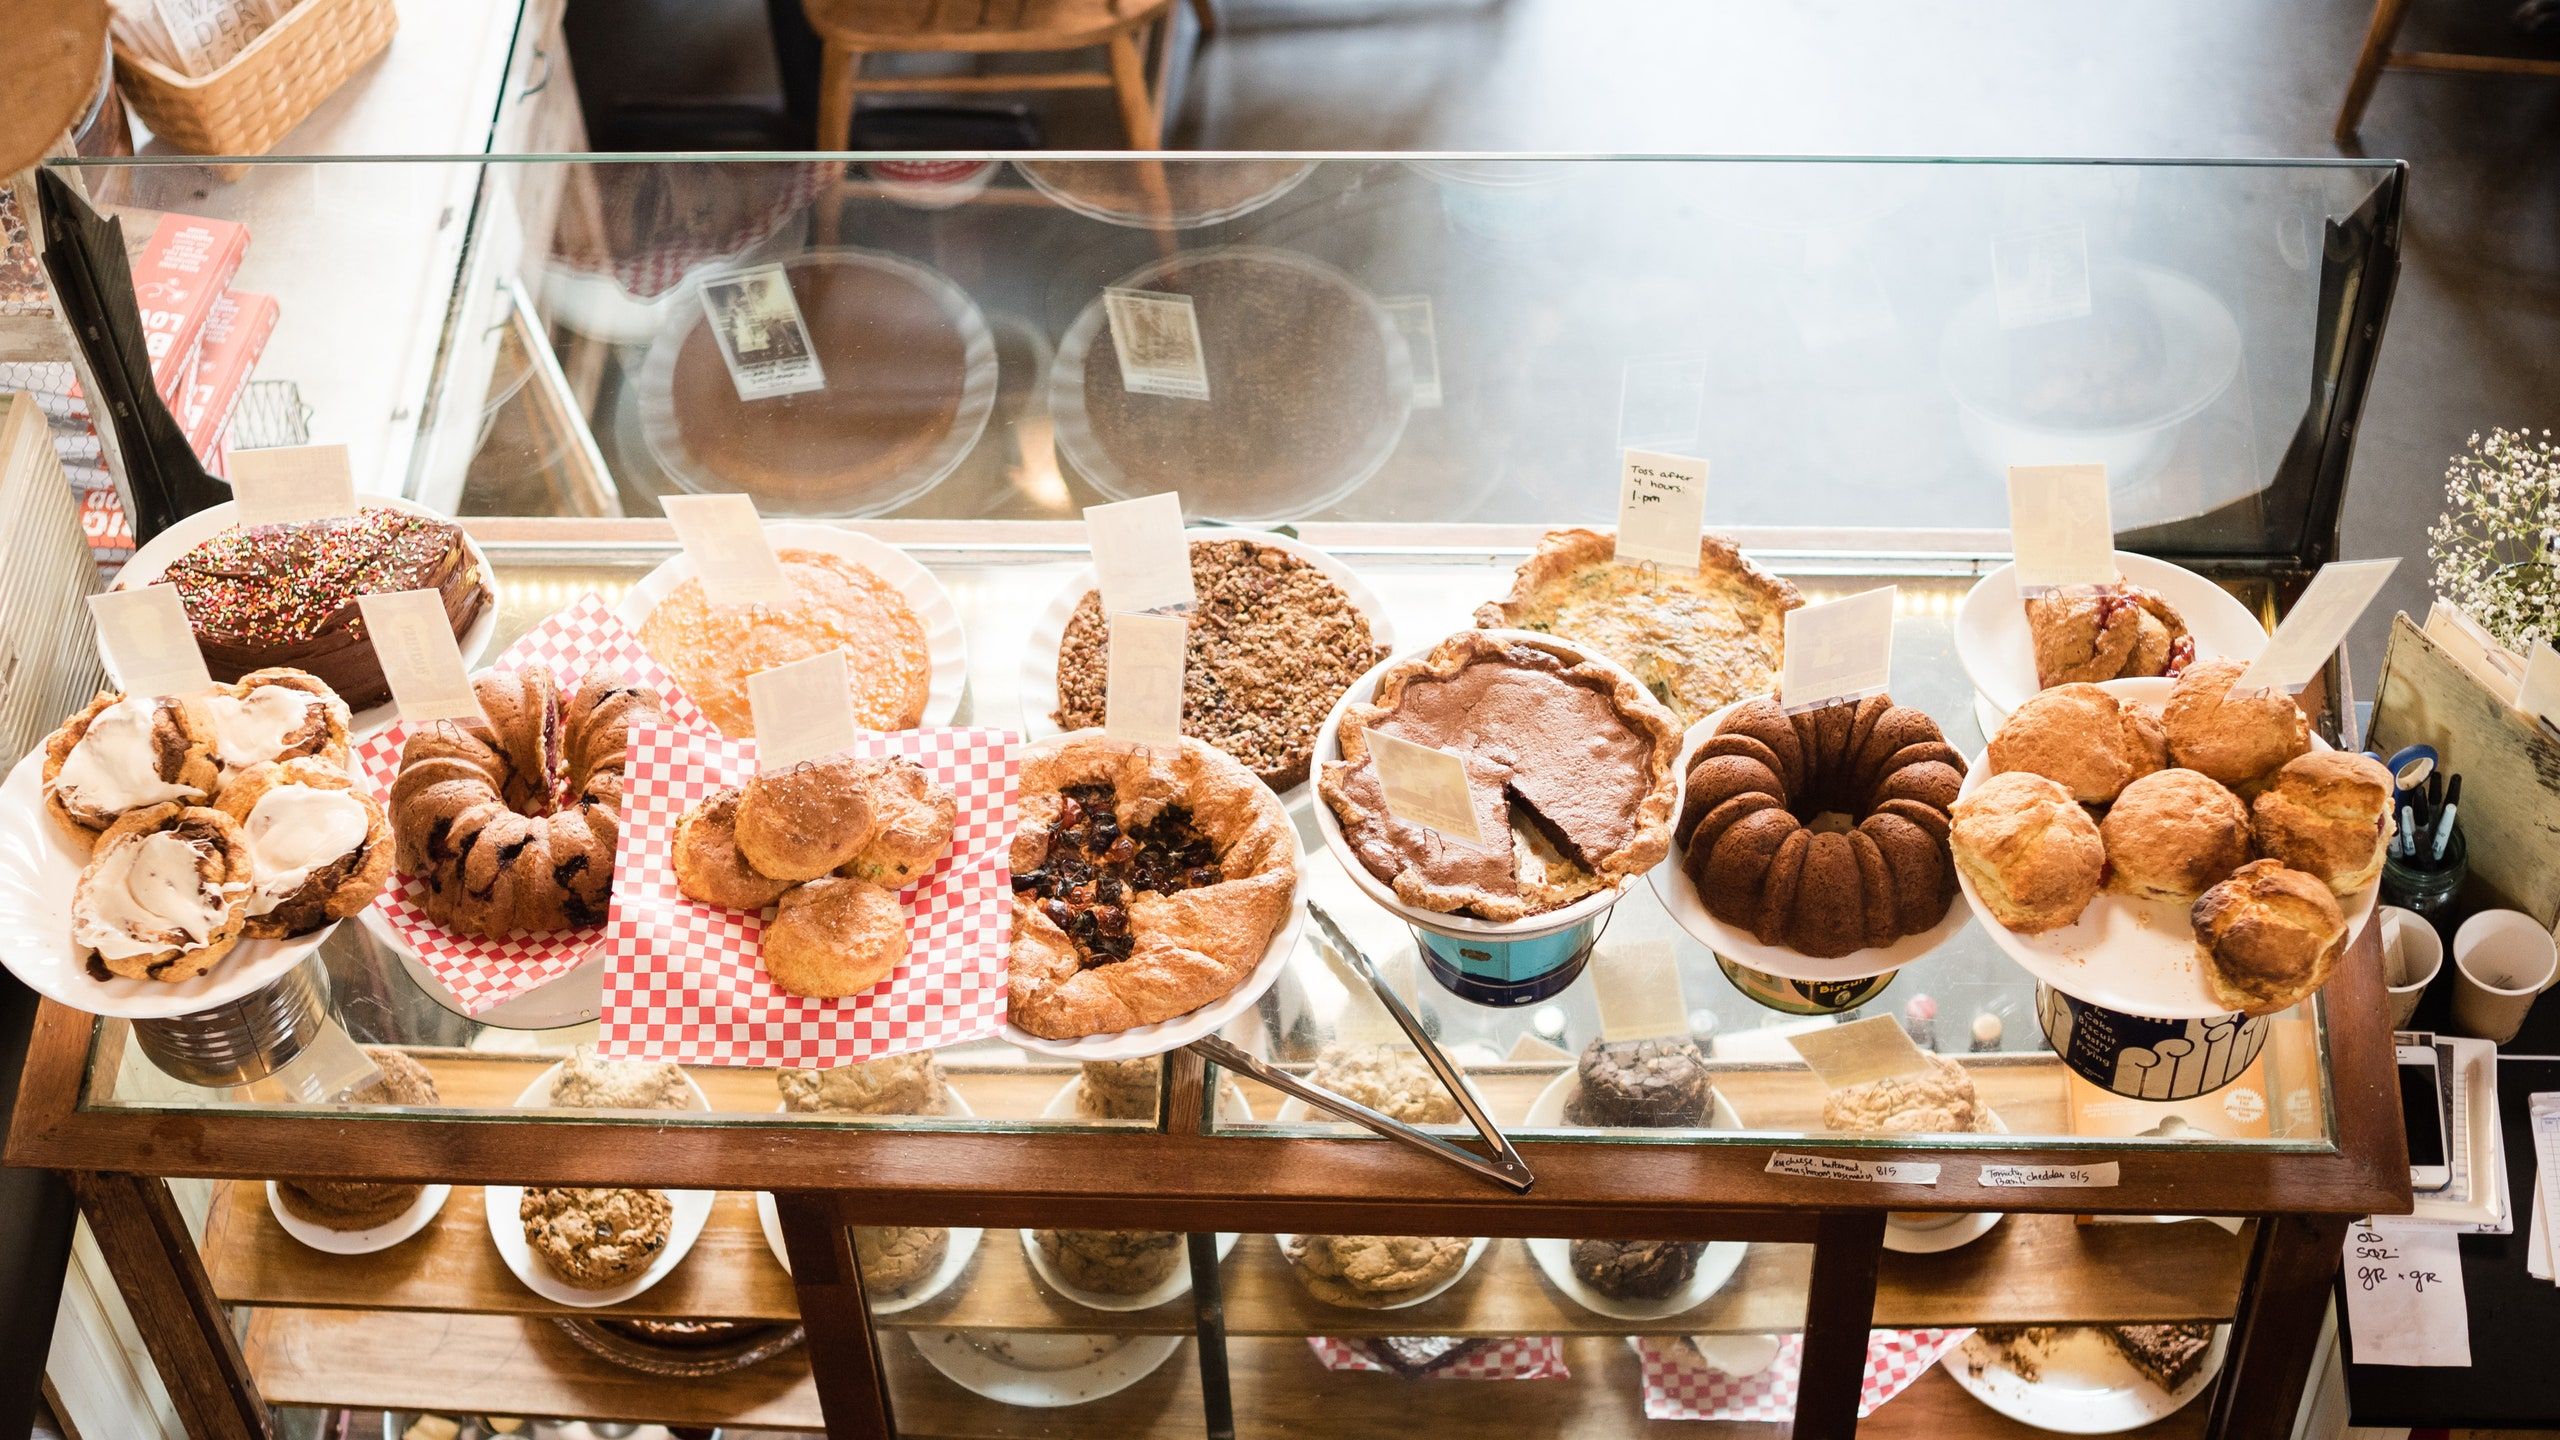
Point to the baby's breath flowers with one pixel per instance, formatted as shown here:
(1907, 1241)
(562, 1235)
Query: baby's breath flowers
(2497, 548)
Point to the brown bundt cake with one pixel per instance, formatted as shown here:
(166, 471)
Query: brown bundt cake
(1759, 860)
(481, 814)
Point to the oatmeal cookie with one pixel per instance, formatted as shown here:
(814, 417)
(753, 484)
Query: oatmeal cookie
(909, 1084)
(1392, 1079)
(1938, 1103)
(596, 1239)
(894, 1258)
(1370, 1271)
(588, 1081)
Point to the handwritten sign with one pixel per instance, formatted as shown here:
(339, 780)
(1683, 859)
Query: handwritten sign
(2049, 1177)
(1140, 557)
(2404, 1296)
(148, 642)
(1142, 685)
(2041, 275)
(1638, 987)
(2060, 527)
(2317, 624)
(1157, 337)
(1837, 651)
(803, 711)
(1662, 504)
(2539, 695)
(413, 638)
(725, 539)
(292, 483)
(1861, 1052)
(1836, 1167)
(1425, 786)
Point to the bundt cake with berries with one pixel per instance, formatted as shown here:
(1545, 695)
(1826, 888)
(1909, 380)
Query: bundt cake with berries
(510, 824)
(1824, 832)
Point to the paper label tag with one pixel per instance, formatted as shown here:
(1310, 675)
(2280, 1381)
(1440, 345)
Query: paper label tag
(1425, 786)
(1638, 987)
(2042, 275)
(1861, 1052)
(292, 483)
(2539, 695)
(1662, 505)
(2405, 1301)
(1837, 1167)
(413, 638)
(2060, 528)
(1157, 337)
(1836, 651)
(148, 641)
(1662, 402)
(1140, 558)
(2317, 625)
(2101, 1176)
(803, 711)
(1142, 695)
(724, 538)
(762, 338)
(1412, 317)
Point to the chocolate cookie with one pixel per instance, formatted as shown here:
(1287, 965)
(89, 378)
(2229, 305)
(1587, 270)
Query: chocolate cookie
(1636, 1269)
(1659, 1083)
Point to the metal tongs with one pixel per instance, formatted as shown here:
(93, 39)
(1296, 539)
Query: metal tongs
(1503, 1166)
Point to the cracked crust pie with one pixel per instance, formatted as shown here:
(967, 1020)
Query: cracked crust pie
(1146, 884)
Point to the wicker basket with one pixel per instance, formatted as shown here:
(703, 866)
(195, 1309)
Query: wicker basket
(247, 105)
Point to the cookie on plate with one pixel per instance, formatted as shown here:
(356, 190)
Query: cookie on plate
(596, 1239)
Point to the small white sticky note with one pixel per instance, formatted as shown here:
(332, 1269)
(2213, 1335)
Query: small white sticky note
(2317, 625)
(724, 538)
(1638, 988)
(2539, 695)
(1412, 317)
(1157, 337)
(2405, 1302)
(1838, 650)
(1837, 1167)
(803, 711)
(2060, 527)
(1140, 558)
(148, 642)
(2042, 275)
(1425, 786)
(1142, 685)
(1861, 1052)
(2101, 1176)
(292, 483)
(1662, 505)
(762, 337)
(413, 638)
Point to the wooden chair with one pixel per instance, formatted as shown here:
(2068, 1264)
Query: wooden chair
(853, 29)
(2378, 56)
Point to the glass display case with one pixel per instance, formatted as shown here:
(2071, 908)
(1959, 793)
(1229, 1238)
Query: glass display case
(1418, 366)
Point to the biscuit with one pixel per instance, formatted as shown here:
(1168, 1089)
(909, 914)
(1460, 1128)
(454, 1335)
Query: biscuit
(834, 937)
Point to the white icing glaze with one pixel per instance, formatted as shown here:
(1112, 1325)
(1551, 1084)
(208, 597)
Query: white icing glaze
(251, 729)
(145, 893)
(293, 830)
(113, 768)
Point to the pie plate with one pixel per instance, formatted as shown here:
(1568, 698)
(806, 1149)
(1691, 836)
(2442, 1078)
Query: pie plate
(1716, 1264)
(1671, 885)
(2136, 957)
(2082, 1386)
(502, 1204)
(959, 1355)
(1998, 652)
(946, 644)
(955, 1255)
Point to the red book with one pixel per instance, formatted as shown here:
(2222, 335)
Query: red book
(235, 334)
(183, 269)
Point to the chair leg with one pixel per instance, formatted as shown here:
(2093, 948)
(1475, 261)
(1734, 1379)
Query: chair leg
(1129, 81)
(2369, 64)
(835, 97)
(1206, 12)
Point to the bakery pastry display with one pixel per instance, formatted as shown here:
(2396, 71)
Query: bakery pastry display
(909, 1084)
(362, 1204)
(2112, 632)
(123, 753)
(1640, 1084)
(2237, 739)
(1120, 1089)
(590, 1081)
(803, 822)
(1392, 1079)
(2092, 742)
(267, 596)
(894, 1259)
(834, 937)
(1635, 1269)
(837, 603)
(1698, 641)
(477, 813)
(2327, 814)
(709, 866)
(1146, 883)
(1372, 1272)
(1939, 1101)
(2166, 1355)
(596, 1238)
(165, 894)
(2034, 856)
(1571, 764)
(1762, 855)
(319, 847)
(1273, 644)
(275, 714)
(2173, 834)
(2268, 937)
(1111, 1262)
(911, 819)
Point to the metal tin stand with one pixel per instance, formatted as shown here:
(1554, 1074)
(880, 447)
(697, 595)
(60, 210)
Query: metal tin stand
(241, 1041)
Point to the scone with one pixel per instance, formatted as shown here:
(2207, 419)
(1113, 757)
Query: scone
(2034, 856)
(1645, 1084)
(802, 822)
(2327, 814)
(1111, 1262)
(911, 826)
(893, 1258)
(909, 1084)
(834, 937)
(2269, 937)
(2239, 740)
(2172, 834)
(710, 867)
(1392, 1079)
(1635, 1269)
(1120, 1089)
(596, 1239)
(1370, 1271)
(2079, 735)
(588, 1081)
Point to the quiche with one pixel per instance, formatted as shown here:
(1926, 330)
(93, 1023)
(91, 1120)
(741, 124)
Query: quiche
(1698, 642)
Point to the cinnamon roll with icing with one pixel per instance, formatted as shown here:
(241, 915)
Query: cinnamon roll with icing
(276, 714)
(319, 848)
(121, 753)
(164, 895)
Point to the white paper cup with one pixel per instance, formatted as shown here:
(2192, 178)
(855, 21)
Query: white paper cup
(2502, 961)
(2412, 957)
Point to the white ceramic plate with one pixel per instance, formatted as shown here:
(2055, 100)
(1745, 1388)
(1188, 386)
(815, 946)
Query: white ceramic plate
(1999, 654)
(955, 1256)
(39, 871)
(1181, 1030)
(1716, 1264)
(960, 1359)
(1039, 682)
(946, 643)
(1232, 1108)
(2082, 1387)
(2133, 956)
(360, 1242)
(692, 1209)
(1904, 1238)
(1671, 886)
(152, 560)
(1475, 1252)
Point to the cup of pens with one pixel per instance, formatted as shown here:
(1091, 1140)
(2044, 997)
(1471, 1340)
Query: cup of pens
(2426, 862)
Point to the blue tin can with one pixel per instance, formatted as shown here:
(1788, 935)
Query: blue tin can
(2146, 1059)
(1503, 973)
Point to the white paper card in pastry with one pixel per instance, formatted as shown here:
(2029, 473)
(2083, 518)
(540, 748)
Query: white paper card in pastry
(1837, 651)
(1861, 1052)
(290, 484)
(724, 538)
(1425, 786)
(413, 638)
(1662, 505)
(1140, 559)
(2060, 528)
(148, 642)
(803, 711)
(1157, 337)
(1638, 988)
(1142, 685)
(2317, 625)
(2405, 1302)
(762, 337)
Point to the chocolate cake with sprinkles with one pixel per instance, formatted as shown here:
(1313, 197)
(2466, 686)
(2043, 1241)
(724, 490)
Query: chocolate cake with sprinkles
(286, 594)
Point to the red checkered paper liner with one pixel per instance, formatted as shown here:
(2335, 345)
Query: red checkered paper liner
(683, 981)
(1680, 1385)
(483, 973)
(1517, 1357)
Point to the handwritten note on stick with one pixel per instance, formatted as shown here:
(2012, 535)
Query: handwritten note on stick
(2317, 625)
(725, 539)
(1835, 1167)
(1662, 505)
(1142, 684)
(803, 711)
(147, 639)
(1839, 650)
(1425, 786)
(2101, 1176)
(2405, 1298)
(2060, 527)
(1140, 556)
(412, 635)
(292, 483)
